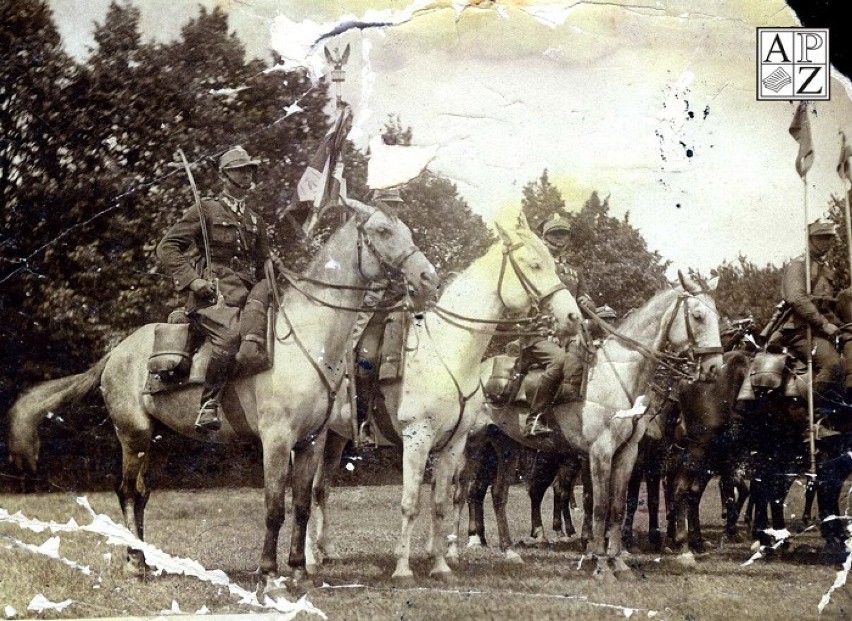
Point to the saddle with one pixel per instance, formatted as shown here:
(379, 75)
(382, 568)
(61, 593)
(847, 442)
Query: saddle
(502, 388)
(777, 373)
(180, 354)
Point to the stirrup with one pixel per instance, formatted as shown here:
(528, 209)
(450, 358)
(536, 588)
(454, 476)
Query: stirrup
(535, 427)
(208, 417)
(366, 438)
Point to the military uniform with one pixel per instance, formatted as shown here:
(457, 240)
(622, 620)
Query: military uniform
(551, 351)
(238, 248)
(816, 311)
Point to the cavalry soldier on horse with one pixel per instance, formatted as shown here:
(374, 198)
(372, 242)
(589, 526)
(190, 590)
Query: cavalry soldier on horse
(548, 350)
(820, 311)
(232, 237)
(368, 335)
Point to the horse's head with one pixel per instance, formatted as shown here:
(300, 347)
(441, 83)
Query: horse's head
(694, 330)
(528, 278)
(386, 250)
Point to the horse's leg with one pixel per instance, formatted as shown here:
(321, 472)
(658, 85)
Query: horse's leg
(622, 468)
(832, 471)
(132, 491)
(543, 472)
(507, 465)
(588, 505)
(696, 491)
(416, 444)
(653, 477)
(482, 477)
(446, 465)
(461, 491)
(306, 460)
(334, 445)
(563, 496)
(276, 464)
(600, 464)
(628, 539)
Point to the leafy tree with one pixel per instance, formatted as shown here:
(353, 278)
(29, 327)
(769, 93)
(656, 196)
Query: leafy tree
(747, 290)
(541, 200)
(612, 256)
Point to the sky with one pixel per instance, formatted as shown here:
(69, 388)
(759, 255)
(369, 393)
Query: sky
(650, 103)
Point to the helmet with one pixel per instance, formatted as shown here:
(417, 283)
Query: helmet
(386, 195)
(606, 312)
(817, 228)
(236, 157)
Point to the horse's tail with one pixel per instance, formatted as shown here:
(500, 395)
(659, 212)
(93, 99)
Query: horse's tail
(33, 405)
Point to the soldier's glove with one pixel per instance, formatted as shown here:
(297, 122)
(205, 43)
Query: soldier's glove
(203, 289)
(585, 303)
(830, 329)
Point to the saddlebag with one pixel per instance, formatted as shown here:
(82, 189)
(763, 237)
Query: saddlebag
(171, 356)
(393, 347)
(502, 371)
(765, 373)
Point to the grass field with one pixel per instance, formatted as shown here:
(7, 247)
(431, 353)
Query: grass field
(223, 529)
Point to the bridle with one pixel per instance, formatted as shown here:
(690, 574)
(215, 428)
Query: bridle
(393, 265)
(536, 296)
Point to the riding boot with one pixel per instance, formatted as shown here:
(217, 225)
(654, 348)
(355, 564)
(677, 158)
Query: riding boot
(217, 375)
(544, 395)
(252, 357)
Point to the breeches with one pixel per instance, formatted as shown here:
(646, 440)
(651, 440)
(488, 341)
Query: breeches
(222, 327)
(546, 354)
(368, 347)
(828, 365)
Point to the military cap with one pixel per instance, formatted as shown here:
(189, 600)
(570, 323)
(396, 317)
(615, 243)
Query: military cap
(606, 312)
(821, 228)
(236, 157)
(386, 195)
(555, 223)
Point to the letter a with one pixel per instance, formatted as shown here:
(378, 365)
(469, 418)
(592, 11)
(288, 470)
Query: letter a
(776, 43)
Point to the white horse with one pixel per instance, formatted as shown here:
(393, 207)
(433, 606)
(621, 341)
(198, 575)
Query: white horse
(441, 393)
(676, 325)
(287, 407)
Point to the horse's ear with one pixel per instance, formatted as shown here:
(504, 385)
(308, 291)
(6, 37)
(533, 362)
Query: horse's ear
(713, 283)
(361, 210)
(503, 234)
(685, 283)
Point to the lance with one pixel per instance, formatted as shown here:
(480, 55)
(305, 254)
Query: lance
(811, 422)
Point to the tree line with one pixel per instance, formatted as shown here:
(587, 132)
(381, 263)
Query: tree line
(88, 184)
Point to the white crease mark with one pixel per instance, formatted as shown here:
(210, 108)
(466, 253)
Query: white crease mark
(39, 603)
(839, 580)
(9, 611)
(118, 535)
(50, 549)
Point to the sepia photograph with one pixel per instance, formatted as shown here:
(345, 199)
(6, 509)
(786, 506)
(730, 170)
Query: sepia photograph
(425, 309)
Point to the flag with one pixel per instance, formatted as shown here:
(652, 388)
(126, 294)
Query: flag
(317, 180)
(392, 165)
(844, 166)
(800, 130)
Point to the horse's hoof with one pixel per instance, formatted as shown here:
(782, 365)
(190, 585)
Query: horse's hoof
(443, 575)
(133, 569)
(312, 569)
(453, 557)
(513, 558)
(624, 575)
(475, 542)
(606, 577)
(403, 581)
(685, 560)
(329, 553)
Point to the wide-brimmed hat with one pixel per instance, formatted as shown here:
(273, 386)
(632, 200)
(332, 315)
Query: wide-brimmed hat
(236, 157)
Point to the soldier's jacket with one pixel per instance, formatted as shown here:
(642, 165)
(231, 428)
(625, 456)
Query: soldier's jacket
(816, 310)
(238, 249)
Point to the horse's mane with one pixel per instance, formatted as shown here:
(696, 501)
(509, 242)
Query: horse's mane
(638, 318)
